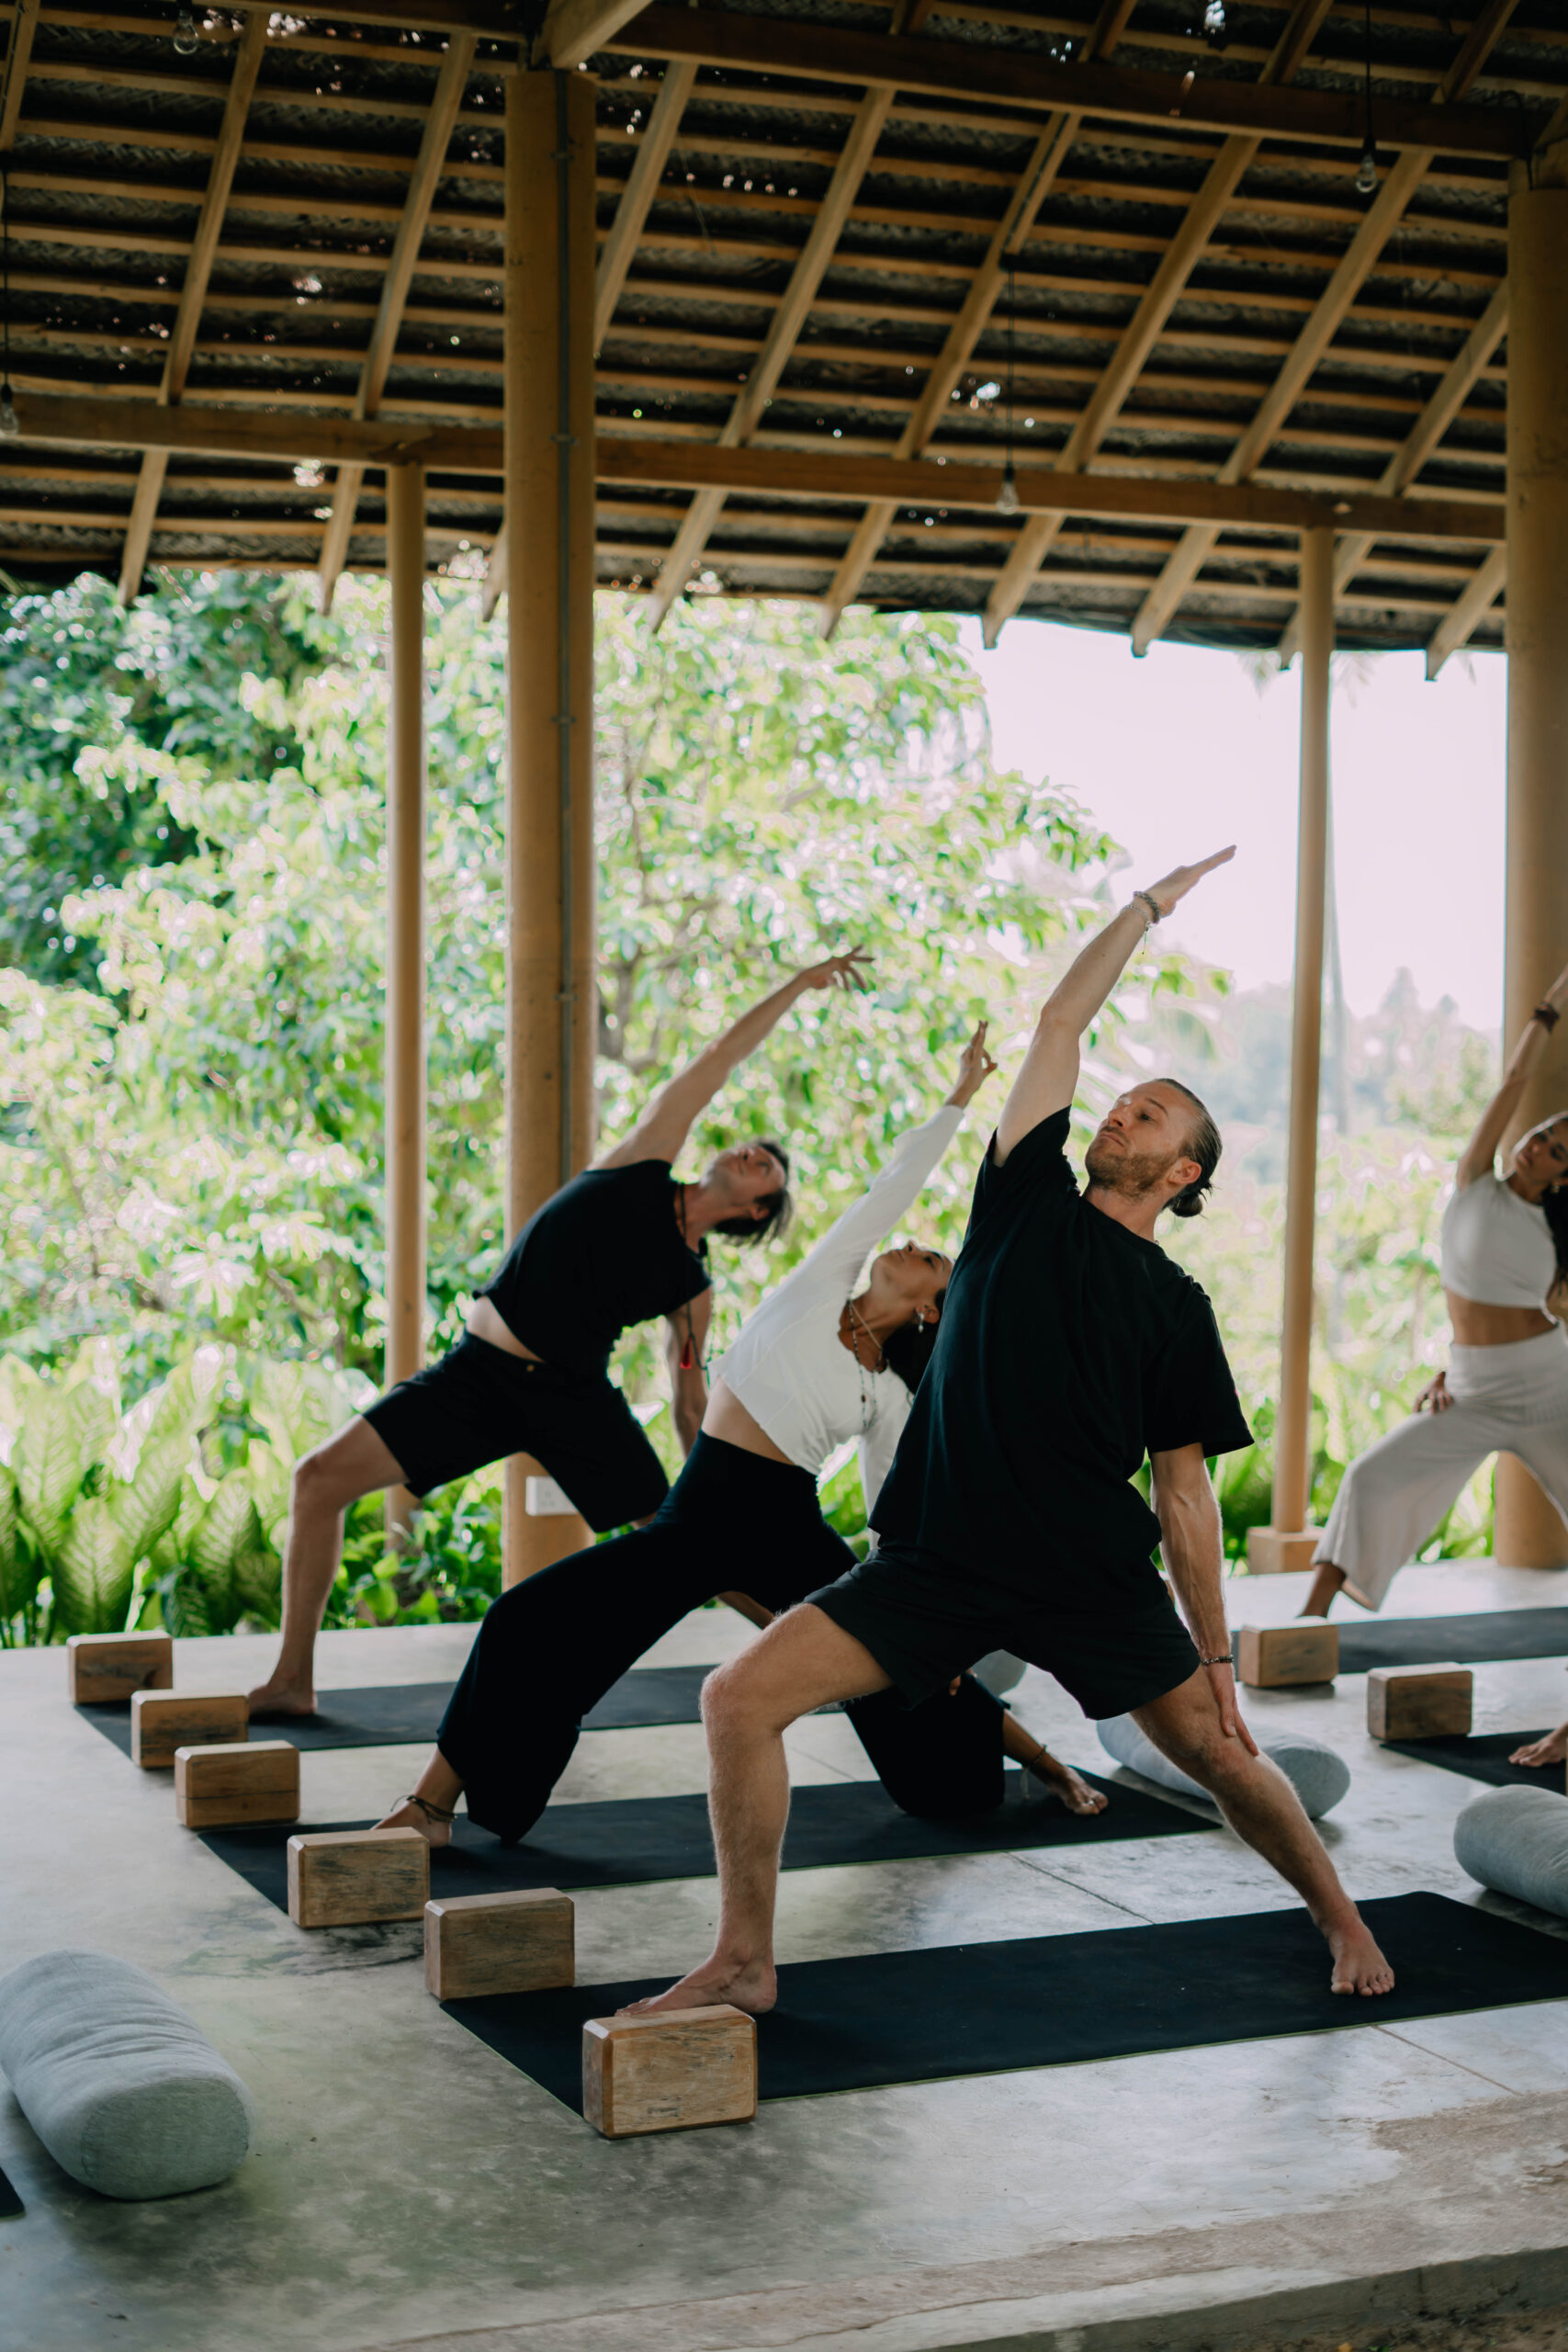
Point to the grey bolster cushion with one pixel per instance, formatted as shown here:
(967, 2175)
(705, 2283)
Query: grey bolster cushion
(124, 2090)
(1000, 1671)
(1516, 1839)
(1318, 1775)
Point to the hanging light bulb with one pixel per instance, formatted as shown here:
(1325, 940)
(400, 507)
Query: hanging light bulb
(10, 428)
(1215, 19)
(187, 40)
(1367, 170)
(1007, 497)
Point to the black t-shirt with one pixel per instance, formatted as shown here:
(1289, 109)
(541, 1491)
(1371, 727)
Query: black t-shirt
(605, 1252)
(1069, 1349)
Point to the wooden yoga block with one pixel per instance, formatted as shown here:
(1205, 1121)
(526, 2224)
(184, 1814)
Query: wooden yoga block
(1279, 1551)
(1419, 1701)
(256, 1781)
(104, 1667)
(162, 1721)
(1268, 1657)
(499, 1943)
(345, 1878)
(668, 2074)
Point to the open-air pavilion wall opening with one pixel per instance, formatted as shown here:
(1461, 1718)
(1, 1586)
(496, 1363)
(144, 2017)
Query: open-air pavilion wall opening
(767, 299)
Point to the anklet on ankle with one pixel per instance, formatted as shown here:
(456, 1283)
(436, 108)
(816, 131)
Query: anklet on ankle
(431, 1812)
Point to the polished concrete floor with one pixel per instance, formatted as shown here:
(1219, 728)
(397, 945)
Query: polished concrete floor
(408, 2187)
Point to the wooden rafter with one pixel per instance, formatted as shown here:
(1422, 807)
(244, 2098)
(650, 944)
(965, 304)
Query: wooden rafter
(13, 77)
(1458, 625)
(574, 30)
(616, 255)
(248, 54)
(1383, 217)
(447, 99)
(949, 69)
(1126, 364)
(63, 422)
(1428, 429)
(783, 329)
(1039, 176)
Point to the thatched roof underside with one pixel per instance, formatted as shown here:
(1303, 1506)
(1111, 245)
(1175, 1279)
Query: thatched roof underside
(112, 145)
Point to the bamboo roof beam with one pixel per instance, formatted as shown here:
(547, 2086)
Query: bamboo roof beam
(13, 77)
(1183, 254)
(1383, 217)
(1459, 625)
(192, 293)
(1030, 191)
(790, 317)
(574, 29)
(616, 256)
(972, 70)
(1447, 400)
(444, 107)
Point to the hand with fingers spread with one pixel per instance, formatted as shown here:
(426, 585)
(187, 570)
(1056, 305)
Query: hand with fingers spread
(846, 971)
(974, 1066)
(1435, 1398)
(1170, 892)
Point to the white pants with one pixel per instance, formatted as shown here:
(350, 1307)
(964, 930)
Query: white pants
(1511, 1399)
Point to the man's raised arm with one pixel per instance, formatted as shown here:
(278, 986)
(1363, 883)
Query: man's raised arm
(1050, 1071)
(665, 1124)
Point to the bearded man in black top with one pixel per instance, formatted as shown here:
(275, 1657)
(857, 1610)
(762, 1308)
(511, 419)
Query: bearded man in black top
(1070, 1348)
(619, 1245)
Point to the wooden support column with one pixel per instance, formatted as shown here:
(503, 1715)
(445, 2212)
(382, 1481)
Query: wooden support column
(1289, 1542)
(1529, 1533)
(550, 1001)
(404, 1042)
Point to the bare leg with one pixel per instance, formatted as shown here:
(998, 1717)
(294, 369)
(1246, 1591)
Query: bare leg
(353, 1463)
(1059, 1777)
(1261, 1806)
(1324, 1585)
(804, 1660)
(1552, 1749)
(441, 1787)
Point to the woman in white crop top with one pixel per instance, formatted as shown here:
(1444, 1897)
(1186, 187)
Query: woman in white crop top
(815, 1364)
(1505, 1252)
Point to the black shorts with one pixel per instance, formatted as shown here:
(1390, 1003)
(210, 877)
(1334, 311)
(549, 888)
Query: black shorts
(924, 1620)
(479, 1403)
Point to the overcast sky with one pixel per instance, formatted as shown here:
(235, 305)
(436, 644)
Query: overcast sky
(1179, 753)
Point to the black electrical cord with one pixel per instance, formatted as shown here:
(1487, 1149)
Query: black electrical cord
(1007, 497)
(8, 424)
(1367, 170)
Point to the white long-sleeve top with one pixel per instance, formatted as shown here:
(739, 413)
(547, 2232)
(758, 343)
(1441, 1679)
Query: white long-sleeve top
(789, 1367)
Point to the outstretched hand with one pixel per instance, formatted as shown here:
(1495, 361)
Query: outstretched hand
(974, 1066)
(1181, 878)
(840, 972)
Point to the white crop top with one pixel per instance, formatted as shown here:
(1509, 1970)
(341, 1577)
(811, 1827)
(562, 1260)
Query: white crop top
(1498, 1249)
(790, 1369)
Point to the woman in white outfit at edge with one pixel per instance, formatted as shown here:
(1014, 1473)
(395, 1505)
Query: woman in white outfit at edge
(1505, 1250)
(815, 1363)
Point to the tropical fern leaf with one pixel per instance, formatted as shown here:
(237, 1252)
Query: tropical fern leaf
(172, 1549)
(185, 1610)
(21, 1565)
(145, 1505)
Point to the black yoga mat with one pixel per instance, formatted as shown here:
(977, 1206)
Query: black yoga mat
(9, 2201)
(1483, 1755)
(409, 1713)
(637, 1840)
(911, 2016)
(1489, 1633)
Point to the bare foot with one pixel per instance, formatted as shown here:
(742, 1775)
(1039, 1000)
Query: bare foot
(408, 1815)
(1359, 1966)
(1071, 1787)
(279, 1696)
(1550, 1748)
(749, 1985)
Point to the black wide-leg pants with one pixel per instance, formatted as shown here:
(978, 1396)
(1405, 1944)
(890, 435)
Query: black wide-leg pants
(733, 1522)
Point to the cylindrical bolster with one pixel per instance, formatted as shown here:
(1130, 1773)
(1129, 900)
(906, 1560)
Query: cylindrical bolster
(1516, 1839)
(1318, 1775)
(123, 2089)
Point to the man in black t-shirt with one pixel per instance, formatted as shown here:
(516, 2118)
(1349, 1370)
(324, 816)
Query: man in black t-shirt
(1069, 1350)
(619, 1245)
